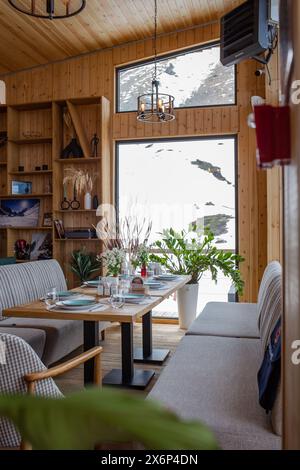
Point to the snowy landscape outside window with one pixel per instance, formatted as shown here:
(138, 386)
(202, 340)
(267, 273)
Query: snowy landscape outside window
(176, 182)
(196, 78)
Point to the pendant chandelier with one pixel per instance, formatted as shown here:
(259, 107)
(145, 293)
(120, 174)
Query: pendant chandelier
(49, 9)
(155, 107)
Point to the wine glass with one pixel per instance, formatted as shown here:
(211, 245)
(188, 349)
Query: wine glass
(51, 297)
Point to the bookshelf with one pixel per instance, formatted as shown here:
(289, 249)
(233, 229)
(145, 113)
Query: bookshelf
(36, 135)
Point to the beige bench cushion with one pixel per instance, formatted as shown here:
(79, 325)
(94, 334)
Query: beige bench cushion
(34, 337)
(213, 379)
(234, 320)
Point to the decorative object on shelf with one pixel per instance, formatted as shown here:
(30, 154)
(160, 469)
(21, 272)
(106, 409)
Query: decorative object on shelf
(22, 250)
(41, 246)
(88, 201)
(88, 234)
(155, 107)
(59, 228)
(94, 144)
(193, 253)
(73, 149)
(3, 140)
(37, 168)
(48, 9)
(112, 260)
(95, 202)
(48, 219)
(21, 168)
(48, 186)
(19, 212)
(84, 264)
(31, 134)
(83, 184)
(21, 187)
(74, 204)
(45, 167)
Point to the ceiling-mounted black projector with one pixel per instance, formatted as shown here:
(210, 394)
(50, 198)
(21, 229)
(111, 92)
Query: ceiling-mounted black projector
(245, 32)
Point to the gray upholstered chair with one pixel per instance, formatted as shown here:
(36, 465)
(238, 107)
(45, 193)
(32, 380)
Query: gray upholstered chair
(22, 371)
(24, 283)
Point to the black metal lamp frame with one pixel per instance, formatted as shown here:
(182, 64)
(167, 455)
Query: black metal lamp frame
(50, 9)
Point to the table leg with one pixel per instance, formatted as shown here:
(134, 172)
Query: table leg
(128, 376)
(90, 340)
(147, 354)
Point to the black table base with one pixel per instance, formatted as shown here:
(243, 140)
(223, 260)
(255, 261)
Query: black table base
(127, 376)
(158, 356)
(146, 354)
(140, 379)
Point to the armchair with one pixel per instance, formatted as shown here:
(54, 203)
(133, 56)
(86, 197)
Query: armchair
(22, 371)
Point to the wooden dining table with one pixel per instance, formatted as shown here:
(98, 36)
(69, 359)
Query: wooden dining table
(127, 376)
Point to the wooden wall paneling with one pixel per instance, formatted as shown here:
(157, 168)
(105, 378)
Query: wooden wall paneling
(107, 162)
(252, 211)
(274, 176)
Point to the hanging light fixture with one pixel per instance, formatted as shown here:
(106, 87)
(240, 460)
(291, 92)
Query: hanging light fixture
(49, 9)
(155, 107)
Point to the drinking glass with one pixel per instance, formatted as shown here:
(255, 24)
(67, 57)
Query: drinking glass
(117, 297)
(51, 297)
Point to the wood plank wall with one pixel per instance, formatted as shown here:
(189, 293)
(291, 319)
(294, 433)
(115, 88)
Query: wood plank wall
(274, 176)
(94, 74)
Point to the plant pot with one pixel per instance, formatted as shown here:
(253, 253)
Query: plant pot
(87, 201)
(187, 299)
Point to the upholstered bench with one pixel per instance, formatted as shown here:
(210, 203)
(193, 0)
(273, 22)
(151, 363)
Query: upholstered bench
(24, 283)
(212, 377)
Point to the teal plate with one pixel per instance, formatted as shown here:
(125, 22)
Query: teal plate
(78, 303)
(66, 293)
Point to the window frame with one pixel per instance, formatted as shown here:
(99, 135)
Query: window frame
(167, 56)
(118, 143)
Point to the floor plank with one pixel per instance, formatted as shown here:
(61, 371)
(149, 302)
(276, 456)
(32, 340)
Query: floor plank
(164, 336)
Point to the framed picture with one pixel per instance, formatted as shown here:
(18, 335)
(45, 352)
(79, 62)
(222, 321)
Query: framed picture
(41, 246)
(19, 212)
(59, 227)
(21, 187)
(47, 219)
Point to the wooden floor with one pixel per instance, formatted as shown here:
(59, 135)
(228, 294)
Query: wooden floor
(164, 336)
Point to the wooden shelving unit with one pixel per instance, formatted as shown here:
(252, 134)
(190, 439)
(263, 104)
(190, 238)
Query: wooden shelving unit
(37, 135)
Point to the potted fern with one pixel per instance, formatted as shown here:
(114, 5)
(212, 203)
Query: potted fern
(188, 253)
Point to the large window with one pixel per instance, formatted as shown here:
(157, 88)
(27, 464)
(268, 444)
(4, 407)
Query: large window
(195, 78)
(177, 182)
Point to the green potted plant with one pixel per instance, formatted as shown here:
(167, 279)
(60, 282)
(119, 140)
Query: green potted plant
(188, 253)
(113, 260)
(84, 264)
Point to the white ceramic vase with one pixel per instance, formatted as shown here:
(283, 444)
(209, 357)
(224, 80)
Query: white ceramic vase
(87, 201)
(187, 299)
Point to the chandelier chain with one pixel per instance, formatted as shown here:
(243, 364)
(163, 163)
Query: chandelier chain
(155, 39)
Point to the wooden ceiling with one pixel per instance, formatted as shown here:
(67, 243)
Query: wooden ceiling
(26, 42)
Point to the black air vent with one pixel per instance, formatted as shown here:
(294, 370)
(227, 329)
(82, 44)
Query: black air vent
(244, 32)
